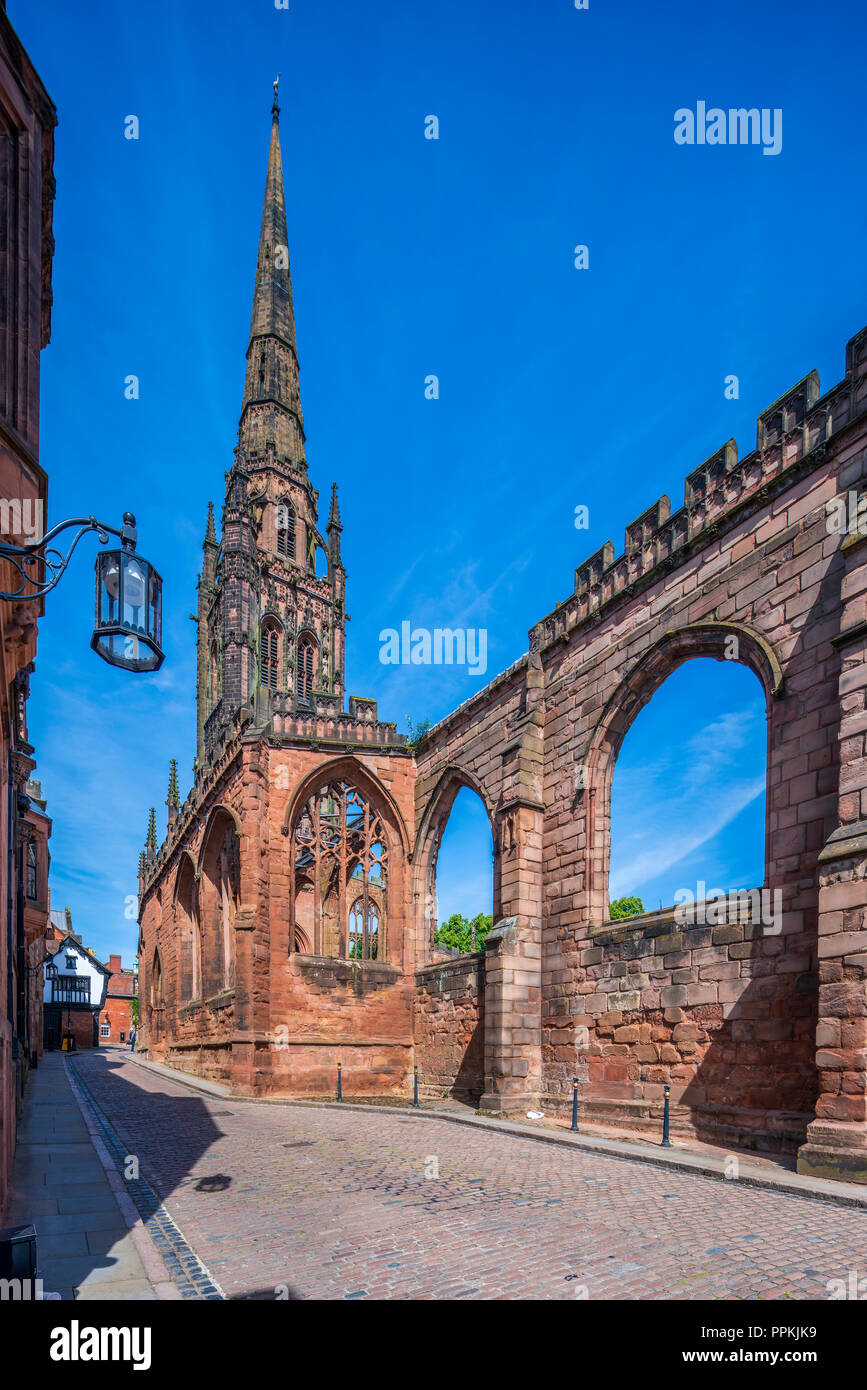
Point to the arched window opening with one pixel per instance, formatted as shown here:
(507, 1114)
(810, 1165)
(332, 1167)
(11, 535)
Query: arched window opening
(157, 1008)
(463, 878)
(189, 954)
(363, 942)
(688, 791)
(262, 374)
(340, 879)
(271, 655)
(286, 530)
(213, 675)
(157, 983)
(306, 669)
(220, 895)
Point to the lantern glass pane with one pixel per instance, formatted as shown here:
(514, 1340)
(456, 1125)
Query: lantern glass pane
(109, 587)
(134, 589)
(155, 616)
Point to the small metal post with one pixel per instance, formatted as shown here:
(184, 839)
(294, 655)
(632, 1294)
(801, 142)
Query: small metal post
(666, 1142)
(339, 1083)
(575, 1105)
(415, 1088)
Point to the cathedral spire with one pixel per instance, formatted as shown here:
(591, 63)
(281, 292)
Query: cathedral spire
(173, 800)
(334, 515)
(271, 411)
(210, 529)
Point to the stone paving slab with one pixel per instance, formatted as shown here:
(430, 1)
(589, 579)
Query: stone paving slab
(342, 1202)
(85, 1248)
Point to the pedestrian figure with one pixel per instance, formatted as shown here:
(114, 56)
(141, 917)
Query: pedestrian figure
(132, 1040)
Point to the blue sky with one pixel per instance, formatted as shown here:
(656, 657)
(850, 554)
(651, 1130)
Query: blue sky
(558, 387)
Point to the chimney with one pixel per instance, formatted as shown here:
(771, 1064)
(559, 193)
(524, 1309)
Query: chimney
(114, 965)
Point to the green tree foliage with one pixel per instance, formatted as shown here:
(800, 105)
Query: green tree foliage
(459, 932)
(133, 1009)
(625, 907)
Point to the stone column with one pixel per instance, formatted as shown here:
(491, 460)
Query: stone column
(837, 1138)
(250, 925)
(513, 969)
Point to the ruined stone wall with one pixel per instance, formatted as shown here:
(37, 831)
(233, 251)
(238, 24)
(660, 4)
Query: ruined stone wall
(287, 1019)
(725, 1014)
(448, 1028)
(747, 569)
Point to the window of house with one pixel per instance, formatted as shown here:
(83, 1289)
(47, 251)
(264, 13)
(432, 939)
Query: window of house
(32, 867)
(73, 989)
(105, 1030)
(70, 962)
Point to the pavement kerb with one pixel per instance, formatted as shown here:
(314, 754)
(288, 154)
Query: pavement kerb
(154, 1266)
(790, 1184)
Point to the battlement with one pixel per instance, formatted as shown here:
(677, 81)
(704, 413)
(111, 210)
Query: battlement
(327, 722)
(798, 424)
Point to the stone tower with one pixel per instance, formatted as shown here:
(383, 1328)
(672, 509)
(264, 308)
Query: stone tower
(271, 620)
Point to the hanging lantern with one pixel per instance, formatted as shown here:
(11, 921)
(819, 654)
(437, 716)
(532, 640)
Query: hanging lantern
(128, 624)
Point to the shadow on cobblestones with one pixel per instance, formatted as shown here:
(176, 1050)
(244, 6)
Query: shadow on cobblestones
(184, 1122)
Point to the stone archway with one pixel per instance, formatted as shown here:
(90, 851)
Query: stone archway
(188, 943)
(219, 899)
(720, 640)
(347, 844)
(434, 820)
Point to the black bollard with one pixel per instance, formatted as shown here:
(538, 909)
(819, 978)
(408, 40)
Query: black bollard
(666, 1142)
(415, 1088)
(339, 1083)
(575, 1106)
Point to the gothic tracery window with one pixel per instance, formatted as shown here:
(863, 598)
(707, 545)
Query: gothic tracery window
(213, 675)
(286, 530)
(340, 875)
(306, 667)
(270, 663)
(363, 943)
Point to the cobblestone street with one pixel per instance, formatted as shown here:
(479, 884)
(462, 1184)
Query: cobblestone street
(333, 1205)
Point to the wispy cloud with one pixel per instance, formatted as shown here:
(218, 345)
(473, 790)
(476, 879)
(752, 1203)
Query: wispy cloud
(668, 808)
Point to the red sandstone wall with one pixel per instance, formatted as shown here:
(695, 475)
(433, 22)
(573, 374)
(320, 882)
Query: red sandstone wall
(727, 1015)
(449, 1016)
(285, 1022)
(712, 1010)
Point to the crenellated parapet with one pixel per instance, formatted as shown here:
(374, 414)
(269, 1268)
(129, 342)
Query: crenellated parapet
(327, 723)
(793, 432)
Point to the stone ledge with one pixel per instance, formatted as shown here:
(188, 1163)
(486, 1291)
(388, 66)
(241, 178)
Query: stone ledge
(849, 841)
(833, 1165)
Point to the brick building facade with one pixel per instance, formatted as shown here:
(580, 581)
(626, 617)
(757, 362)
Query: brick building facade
(287, 919)
(115, 1017)
(27, 120)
